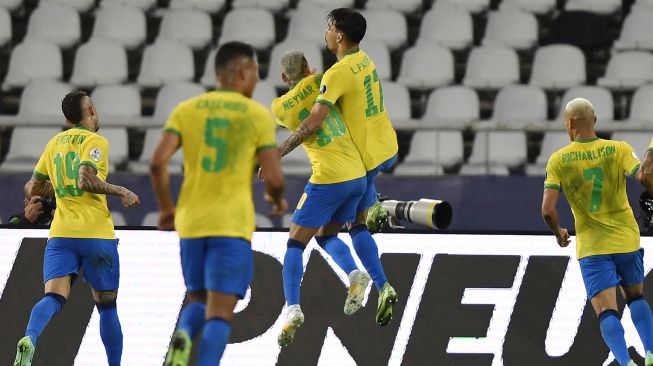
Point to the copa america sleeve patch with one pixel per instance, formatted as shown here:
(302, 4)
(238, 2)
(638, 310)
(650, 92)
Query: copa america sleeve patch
(323, 89)
(95, 154)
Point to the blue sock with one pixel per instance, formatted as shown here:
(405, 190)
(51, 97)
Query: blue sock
(640, 312)
(191, 319)
(110, 331)
(613, 335)
(42, 312)
(368, 253)
(293, 270)
(338, 250)
(214, 341)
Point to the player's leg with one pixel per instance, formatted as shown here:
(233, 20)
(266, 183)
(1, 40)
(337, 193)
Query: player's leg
(102, 271)
(600, 279)
(191, 319)
(60, 264)
(229, 268)
(630, 267)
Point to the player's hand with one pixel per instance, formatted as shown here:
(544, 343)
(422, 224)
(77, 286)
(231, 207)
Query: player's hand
(129, 199)
(563, 238)
(33, 209)
(166, 220)
(260, 174)
(278, 208)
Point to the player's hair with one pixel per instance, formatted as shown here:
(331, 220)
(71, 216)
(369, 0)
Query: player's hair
(293, 64)
(230, 51)
(71, 106)
(350, 22)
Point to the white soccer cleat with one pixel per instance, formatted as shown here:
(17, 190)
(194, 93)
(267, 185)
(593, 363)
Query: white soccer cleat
(358, 281)
(648, 361)
(294, 320)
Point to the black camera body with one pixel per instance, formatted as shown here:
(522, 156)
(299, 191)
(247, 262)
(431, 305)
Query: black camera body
(49, 204)
(646, 205)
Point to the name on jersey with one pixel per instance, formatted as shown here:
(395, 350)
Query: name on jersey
(360, 66)
(70, 139)
(300, 96)
(588, 155)
(212, 104)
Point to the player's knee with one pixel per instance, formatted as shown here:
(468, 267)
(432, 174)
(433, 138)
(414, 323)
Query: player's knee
(105, 297)
(59, 299)
(322, 240)
(197, 296)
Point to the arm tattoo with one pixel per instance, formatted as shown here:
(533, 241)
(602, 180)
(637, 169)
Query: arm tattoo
(89, 182)
(42, 188)
(300, 135)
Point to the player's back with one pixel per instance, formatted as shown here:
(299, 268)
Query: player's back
(333, 155)
(220, 133)
(79, 214)
(354, 86)
(592, 176)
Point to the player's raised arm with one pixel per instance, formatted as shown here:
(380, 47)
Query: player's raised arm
(160, 178)
(308, 127)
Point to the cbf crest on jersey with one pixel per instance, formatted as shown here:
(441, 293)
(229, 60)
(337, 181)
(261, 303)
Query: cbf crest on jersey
(95, 154)
(323, 89)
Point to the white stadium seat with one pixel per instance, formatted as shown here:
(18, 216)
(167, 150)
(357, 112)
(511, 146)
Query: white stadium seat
(491, 67)
(99, 62)
(378, 23)
(447, 26)
(513, 28)
(426, 67)
(431, 151)
(518, 106)
(23, 155)
(40, 102)
(552, 142)
(33, 59)
(558, 67)
(238, 26)
(55, 23)
(628, 70)
(123, 24)
(172, 94)
(165, 62)
(190, 27)
(452, 107)
(209, 6)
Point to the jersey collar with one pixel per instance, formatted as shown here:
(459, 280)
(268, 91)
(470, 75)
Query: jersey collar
(587, 140)
(78, 127)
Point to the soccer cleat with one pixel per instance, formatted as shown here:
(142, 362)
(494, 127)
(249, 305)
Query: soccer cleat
(649, 359)
(358, 281)
(632, 363)
(294, 320)
(179, 349)
(387, 298)
(377, 218)
(24, 352)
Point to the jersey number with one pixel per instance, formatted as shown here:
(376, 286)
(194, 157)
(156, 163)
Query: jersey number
(216, 163)
(72, 172)
(372, 109)
(596, 175)
(333, 121)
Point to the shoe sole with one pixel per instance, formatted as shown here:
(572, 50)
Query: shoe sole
(354, 300)
(384, 313)
(287, 335)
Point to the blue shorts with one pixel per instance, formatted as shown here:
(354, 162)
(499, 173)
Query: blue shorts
(324, 203)
(218, 264)
(601, 272)
(98, 257)
(370, 197)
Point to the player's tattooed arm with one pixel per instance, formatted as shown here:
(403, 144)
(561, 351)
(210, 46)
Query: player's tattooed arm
(89, 182)
(645, 173)
(38, 187)
(308, 127)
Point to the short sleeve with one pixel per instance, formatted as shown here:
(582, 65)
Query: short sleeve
(266, 130)
(95, 153)
(552, 178)
(41, 169)
(332, 87)
(629, 161)
(173, 124)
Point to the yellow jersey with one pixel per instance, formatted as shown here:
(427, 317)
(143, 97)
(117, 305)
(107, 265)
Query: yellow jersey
(591, 173)
(333, 155)
(353, 85)
(220, 134)
(79, 214)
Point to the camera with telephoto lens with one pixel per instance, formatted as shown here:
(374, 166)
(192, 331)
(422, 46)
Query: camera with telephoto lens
(646, 205)
(434, 214)
(48, 203)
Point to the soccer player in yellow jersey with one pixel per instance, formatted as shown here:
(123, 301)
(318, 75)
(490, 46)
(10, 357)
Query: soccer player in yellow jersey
(352, 85)
(591, 172)
(331, 196)
(221, 133)
(74, 169)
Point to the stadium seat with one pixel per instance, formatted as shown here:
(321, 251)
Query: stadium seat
(472, 6)
(641, 108)
(5, 26)
(637, 30)
(209, 6)
(26, 146)
(641, 4)
(404, 6)
(518, 106)
(628, 70)
(54, 23)
(426, 66)
(552, 142)
(431, 151)
(33, 59)
(78, 5)
(264, 93)
(11, 5)
(238, 23)
(638, 140)
(326, 4)
(308, 24)
(585, 30)
(190, 27)
(119, 146)
(117, 104)
(517, 29)
(312, 52)
(166, 62)
(208, 77)
(118, 218)
(600, 97)
(396, 101)
(286, 220)
(558, 67)
(99, 62)
(138, 4)
(295, 162)
(272, 5)
(378, 23)
(506, 149)
(151, 219)
(172, 94)
(40, 102)
(603, 7)
(452, 107)
(263, 221)
(447, 26)
(122, 24)
(532, 6)
(152, 138)
(380, 54)
(491, 67)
